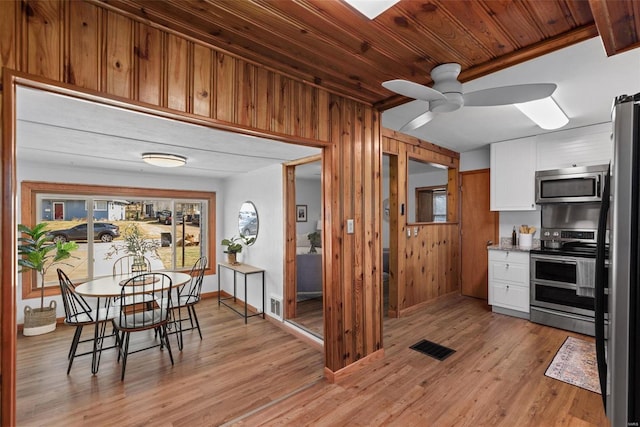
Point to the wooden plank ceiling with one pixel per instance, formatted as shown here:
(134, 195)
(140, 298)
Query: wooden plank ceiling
(329, 44)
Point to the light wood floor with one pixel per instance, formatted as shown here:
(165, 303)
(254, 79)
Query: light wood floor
(260, 375)
(310, 316)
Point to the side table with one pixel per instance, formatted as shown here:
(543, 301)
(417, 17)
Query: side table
(245, 270)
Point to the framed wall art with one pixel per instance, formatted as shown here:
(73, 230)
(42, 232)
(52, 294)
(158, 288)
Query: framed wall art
(301, 213)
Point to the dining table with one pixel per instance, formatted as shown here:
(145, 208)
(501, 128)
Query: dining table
(105, 289)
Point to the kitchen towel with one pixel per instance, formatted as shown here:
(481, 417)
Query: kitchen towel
(586, 277)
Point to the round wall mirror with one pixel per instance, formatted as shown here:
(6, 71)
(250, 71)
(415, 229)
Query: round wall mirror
(248, 221)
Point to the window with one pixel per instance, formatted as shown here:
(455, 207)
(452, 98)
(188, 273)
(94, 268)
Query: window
(431, 204)
(179, 224)
(440, 205)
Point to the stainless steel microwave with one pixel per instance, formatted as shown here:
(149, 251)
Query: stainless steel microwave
(570, 185)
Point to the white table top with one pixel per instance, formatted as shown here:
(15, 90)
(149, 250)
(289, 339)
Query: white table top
(110, 286)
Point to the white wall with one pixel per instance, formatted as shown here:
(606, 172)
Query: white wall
(263, 187)
(475, 159)
(309, 192)
(31, 171)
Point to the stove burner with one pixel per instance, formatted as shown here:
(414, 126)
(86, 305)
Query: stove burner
(580, 249)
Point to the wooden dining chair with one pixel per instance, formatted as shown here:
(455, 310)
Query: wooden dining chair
(124, 265)
(79, 313)
(187, 297)
(146, 301)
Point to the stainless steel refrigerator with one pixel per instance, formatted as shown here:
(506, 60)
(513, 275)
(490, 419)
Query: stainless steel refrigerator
(617, 305)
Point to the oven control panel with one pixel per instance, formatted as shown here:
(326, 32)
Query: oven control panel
(568, 235)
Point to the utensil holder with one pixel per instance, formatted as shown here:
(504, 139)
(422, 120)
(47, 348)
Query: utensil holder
(526, 240)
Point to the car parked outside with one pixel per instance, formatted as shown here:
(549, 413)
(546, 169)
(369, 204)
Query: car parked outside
(249, 226)
(195, 219)
(102, 231)
(166, 217)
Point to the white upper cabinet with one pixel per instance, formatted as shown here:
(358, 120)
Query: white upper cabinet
(513, 167)
(590, 145)
(514, 163)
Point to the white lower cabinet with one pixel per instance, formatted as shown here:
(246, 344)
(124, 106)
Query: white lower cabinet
(509, 282)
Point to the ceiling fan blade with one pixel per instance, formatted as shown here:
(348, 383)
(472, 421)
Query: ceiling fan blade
(413, 90)
(506, 95)
(419, 121)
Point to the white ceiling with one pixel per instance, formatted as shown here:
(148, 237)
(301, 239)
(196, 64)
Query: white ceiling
(587, 83)
(69, 131)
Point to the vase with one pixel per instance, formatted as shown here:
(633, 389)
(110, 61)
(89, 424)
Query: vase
(232, 259)
(139, 265)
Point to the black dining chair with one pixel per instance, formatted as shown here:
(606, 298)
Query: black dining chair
(79, 313)
(145, 304)
(187, 297)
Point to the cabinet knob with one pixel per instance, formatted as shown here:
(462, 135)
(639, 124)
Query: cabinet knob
(507, 287)
(507, 266)
(489, 242)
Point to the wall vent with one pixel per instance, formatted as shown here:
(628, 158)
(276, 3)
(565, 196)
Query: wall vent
(276, 306)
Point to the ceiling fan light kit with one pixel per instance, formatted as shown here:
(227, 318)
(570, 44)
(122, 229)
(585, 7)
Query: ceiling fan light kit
(447, 96)
(164, 160)
(544, 112)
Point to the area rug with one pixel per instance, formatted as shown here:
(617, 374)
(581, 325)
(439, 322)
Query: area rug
(575, 364)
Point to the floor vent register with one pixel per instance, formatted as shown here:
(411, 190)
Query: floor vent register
(432, 349)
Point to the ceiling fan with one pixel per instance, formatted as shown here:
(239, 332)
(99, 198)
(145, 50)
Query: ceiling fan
(446, 94)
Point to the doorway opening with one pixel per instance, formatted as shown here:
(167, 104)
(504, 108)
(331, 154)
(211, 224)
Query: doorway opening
(304, 281)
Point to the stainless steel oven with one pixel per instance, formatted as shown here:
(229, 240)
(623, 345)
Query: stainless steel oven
(570, 185)
(562, 291)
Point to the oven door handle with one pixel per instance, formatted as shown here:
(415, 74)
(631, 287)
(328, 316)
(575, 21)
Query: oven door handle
(550, 284)
(571, 261)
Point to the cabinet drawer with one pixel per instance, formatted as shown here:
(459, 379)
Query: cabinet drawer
(513, 272)
(511, 296)
(511, 256)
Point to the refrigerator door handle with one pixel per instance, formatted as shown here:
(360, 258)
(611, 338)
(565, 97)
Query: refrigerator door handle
(600, 289)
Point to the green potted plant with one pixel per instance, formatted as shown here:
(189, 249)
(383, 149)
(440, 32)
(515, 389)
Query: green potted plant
(314, 239)
(135, 243)
(39, 254)
(234, 246)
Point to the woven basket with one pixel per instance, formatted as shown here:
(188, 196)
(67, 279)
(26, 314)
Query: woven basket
(39, 320)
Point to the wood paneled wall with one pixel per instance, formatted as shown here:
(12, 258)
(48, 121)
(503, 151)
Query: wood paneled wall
(428, 262)
(93, 48)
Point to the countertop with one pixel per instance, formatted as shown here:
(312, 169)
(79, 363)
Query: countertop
(505, 245)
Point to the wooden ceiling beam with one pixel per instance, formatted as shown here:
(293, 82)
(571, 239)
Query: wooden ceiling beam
(618, 23)
(329, 45)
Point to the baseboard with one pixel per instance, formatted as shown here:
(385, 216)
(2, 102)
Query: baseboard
(413, 308)
(298, 333)
(341, 374)
(238, 301)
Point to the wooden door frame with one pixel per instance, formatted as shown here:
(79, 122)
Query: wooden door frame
(290, 233)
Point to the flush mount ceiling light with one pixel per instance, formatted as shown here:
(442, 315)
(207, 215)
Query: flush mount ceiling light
(371, 8)
(164, 160)
(544, 112)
